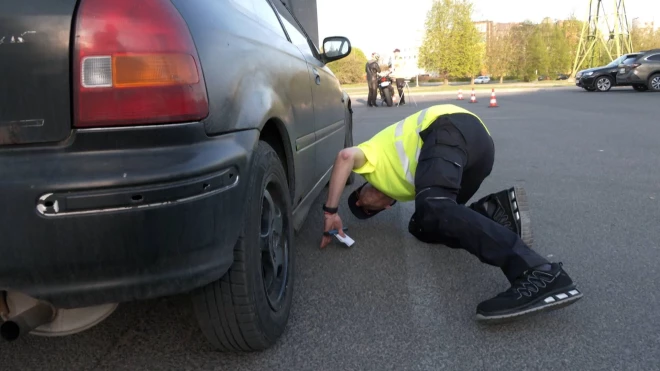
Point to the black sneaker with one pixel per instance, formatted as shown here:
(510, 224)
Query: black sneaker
(535, 291)
(509, 208)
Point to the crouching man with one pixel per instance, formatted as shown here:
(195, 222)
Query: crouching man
(438, 158)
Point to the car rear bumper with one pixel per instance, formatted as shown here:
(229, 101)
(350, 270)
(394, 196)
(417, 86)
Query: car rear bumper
(120, 215)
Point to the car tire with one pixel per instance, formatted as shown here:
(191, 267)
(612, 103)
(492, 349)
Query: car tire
(640, 87)
(603, 84)
(236, 313)
(654, 83)
(348, 141)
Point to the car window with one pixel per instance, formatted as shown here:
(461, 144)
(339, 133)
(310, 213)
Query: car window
(296, 33)
(654, 58)
(266, 13)
(261, 11)
(630, 60)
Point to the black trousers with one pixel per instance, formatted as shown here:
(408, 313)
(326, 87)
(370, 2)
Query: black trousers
(400, 83)
(445, 181)
(373, 87)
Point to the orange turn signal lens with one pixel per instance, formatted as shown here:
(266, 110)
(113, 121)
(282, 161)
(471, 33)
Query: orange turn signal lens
(153, 70)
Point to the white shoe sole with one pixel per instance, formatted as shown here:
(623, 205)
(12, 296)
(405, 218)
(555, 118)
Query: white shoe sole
(552, 302)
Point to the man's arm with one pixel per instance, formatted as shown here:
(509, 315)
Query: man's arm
(347, 160)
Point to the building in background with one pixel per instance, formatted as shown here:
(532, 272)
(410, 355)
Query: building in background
(490, 29)
(408, 42)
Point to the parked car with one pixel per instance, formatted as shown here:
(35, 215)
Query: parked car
(643, 72)
(602, 78)
(562, 76)
(152, 150)
(482, 80)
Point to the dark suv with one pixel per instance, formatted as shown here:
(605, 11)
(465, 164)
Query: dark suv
(602, 78)
(643, 72)
(157, 147)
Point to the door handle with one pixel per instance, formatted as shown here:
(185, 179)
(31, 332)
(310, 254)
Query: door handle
(318, 76)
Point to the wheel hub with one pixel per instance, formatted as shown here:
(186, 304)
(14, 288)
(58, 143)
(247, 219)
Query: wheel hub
(656, 83)
(603, 84)
(274, 248)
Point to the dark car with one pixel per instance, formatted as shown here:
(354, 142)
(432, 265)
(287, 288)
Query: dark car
(157, 147)
(643, 72)
(602, 78)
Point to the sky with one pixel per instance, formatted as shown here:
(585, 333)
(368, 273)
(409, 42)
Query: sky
(379, 25)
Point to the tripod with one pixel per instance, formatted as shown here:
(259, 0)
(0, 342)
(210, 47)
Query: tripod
(403, 96)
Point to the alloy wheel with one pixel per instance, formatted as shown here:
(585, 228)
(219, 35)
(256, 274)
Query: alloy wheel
(274, 247)
(655, 83)
(603, 84)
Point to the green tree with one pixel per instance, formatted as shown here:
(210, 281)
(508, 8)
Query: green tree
(645, 38)
(560, 54)
(521, 36)
(470, 47)
(350, 70)
(538, 59)
(452, 45)
(500, 53)
(572, 29)
(435, 51)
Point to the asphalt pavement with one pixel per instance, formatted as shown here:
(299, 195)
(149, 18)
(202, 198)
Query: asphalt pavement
(589, 162)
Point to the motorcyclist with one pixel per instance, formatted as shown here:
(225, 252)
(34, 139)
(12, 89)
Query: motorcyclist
(372, 68)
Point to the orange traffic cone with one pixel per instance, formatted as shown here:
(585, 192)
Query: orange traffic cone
(473, 97)
(460, 94)
(493, 100)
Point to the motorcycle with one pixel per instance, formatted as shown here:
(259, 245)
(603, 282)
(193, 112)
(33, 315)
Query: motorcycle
(385, 88)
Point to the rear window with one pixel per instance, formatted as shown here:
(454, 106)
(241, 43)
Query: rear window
(655, 58)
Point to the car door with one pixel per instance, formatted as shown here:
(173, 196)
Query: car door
(624, 69)
(326, 92)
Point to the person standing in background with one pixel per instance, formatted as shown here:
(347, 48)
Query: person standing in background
(398, 66)
(372, 69)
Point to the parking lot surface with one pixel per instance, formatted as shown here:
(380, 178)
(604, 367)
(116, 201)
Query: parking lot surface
(589, 162)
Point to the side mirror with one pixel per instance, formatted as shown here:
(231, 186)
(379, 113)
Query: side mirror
(335, 48)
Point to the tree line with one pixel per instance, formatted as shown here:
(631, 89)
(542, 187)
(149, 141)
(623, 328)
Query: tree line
(454, 48)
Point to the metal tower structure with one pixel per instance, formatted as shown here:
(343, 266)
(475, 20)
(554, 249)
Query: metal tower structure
(604, 34)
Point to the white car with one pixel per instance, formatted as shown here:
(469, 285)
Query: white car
(482, 80)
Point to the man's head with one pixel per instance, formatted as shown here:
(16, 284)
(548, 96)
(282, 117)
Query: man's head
(368, 201)
(375, 56)
(397, 52)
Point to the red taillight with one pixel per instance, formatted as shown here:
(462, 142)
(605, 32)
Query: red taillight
(135, 63)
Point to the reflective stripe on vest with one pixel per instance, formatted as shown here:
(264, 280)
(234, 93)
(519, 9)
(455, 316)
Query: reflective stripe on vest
(400, 148)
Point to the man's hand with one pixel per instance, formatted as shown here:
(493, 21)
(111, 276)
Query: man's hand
(331, 221)
(347, 160)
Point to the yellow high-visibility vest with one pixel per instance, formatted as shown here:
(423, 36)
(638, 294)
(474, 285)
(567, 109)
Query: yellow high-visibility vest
(393, 152)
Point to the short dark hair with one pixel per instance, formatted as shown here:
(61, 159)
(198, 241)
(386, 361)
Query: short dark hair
(397, 50)
(357, 211)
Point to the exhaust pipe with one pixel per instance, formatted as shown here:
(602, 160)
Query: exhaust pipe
(38, 315)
